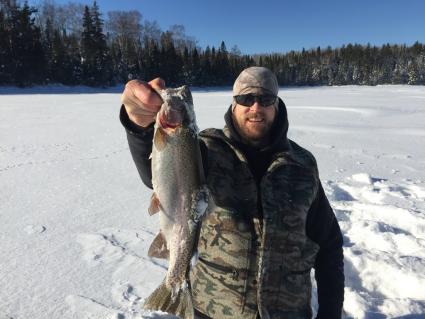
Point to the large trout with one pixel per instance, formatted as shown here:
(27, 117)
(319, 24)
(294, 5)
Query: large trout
(179, 196)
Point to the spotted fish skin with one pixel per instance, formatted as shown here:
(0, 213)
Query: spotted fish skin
(180, 197)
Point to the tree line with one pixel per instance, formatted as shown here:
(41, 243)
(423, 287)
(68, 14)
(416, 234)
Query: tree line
(73, 44)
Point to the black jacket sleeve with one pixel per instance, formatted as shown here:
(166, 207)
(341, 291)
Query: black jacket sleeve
(322, 227)
(140, 143)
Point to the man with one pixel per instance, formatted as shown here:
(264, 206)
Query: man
(271, 222)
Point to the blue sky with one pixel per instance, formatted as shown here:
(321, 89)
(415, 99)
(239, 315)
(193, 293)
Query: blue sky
(281, 26)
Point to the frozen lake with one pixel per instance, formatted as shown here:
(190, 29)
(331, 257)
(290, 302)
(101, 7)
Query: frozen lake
(74, 226)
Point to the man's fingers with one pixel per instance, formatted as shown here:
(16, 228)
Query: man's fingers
(143, 92)
(157, 84)
(134, 104)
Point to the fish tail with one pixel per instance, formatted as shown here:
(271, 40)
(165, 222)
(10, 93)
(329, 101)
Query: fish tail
(178, 303)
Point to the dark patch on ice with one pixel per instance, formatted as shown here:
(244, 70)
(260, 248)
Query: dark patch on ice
(341, 195)
(94, 301)
(378, 179)
(347, 242)
(160, 316)
(128, 294)
(357, 252)
(113, 241)
(402, 190)
(35, 229)
(374, 315)
(353, 280)
(385, 228)
(342, 215)
(130, 289)
(418, 316)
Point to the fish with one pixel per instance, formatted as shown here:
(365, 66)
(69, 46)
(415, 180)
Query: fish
(180, 197)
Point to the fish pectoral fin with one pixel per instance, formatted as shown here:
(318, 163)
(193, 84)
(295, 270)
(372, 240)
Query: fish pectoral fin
(155, 205)
(158, 248)
(199, 203)
(160, 139)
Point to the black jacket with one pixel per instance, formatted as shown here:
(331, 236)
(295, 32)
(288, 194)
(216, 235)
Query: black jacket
(322, 226)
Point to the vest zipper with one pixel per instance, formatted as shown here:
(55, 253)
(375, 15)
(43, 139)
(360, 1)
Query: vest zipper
(248, 264)
(233, 271)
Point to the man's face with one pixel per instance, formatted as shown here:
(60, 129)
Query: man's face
(254, 123)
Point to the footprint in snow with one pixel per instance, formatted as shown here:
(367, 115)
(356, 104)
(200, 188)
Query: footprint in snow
(34, 229)
(337, 193)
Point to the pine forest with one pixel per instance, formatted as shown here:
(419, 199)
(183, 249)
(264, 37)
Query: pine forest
(73, 44)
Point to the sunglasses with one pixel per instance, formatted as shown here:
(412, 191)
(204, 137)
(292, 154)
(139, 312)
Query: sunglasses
(250, 99)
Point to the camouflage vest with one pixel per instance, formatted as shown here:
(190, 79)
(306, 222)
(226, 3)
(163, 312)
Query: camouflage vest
(249, 266)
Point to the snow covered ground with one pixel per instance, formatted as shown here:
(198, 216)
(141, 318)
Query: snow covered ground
(74, 228)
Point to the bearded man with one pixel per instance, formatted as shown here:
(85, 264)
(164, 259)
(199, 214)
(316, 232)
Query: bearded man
(271, 223)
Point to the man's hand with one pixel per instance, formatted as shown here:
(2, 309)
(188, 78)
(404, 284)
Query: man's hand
(141, 101)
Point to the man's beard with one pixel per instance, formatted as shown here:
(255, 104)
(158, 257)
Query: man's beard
(253, 129)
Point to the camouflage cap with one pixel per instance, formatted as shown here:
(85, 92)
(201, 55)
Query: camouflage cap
(256, 80)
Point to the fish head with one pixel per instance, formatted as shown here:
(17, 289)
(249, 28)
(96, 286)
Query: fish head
(177, 109)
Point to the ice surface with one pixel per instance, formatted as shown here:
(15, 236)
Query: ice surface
(74, 226)
(362, 178)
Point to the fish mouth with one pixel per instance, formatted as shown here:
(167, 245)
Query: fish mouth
(165, 124)
(170, 119)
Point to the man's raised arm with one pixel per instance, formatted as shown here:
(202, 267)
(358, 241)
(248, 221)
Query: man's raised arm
(140, 104)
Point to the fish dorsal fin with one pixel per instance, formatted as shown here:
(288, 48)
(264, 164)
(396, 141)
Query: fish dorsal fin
(155, 205)
(158, 248)
(160, 139)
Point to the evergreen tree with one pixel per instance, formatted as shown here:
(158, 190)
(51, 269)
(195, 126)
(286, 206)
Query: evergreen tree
(88, 49)
(187, 68)
(62, 58)
(5, 56)
(196, 67)
(69, 46)
(73, 59)
(47, 46)
(95, 58)
(170, 62)
(222, 66)
(206, 76)
(413, 73)
(27, 64)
